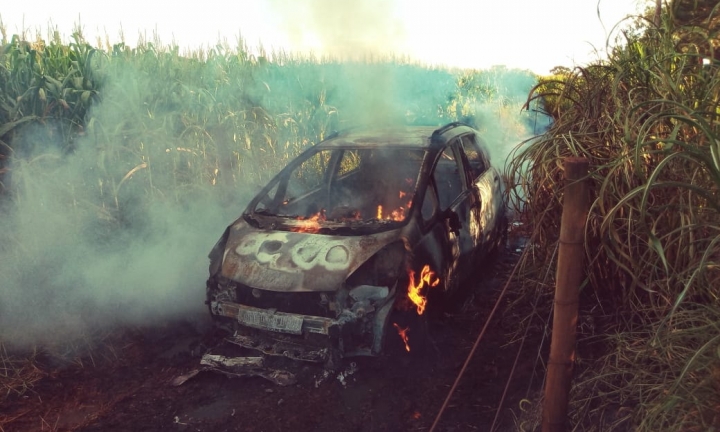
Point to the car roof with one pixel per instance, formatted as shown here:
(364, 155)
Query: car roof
(418, 137)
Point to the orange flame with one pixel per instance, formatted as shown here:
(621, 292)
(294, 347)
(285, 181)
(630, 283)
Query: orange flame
(403, 335)
(311, 224)
(427, 277)
(397, 215)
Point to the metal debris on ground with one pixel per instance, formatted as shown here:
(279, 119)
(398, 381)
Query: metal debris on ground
(352, 368)
(238, 367)
(342, 376)
(322, 378)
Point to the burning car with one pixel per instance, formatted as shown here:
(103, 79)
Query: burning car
(342, 248)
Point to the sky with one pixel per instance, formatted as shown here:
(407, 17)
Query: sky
(478, 34)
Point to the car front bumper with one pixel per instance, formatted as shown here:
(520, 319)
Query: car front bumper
(356, 331)
(280, 322)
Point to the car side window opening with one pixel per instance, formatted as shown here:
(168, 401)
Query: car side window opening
(305, 180)
(309, 175)
(266, 202)
(474, 156)
(448, 178)
(349, 163)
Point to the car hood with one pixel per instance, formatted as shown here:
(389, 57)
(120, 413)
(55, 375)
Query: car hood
(294, 261)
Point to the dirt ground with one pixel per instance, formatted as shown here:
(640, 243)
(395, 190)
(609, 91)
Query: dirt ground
(127, 384)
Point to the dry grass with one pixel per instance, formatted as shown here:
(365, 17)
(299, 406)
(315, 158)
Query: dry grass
(18, 373)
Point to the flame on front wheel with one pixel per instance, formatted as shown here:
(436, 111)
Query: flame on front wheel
(403, 335)
(418, 296)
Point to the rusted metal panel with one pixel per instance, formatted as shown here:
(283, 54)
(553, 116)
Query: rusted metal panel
(238, 367)
(216, 360)
(290, 261)
(269, 345)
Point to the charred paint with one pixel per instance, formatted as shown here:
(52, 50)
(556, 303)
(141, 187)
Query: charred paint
(289, 261)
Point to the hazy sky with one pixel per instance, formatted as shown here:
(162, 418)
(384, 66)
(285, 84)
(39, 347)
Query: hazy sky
(529, 34)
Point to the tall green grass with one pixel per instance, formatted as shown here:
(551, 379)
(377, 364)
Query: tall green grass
(648, 120)
(230, 116)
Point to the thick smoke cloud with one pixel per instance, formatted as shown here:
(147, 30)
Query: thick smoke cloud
(79, 254)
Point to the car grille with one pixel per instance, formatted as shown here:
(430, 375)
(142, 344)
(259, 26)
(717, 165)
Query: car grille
(304, 303)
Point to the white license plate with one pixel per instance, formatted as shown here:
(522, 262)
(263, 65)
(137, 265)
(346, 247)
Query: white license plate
(272, 322)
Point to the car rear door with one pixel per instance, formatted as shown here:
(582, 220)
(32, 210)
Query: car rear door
(486, 186)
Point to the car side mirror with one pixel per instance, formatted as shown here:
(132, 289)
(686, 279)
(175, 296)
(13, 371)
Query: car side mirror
(453, 221)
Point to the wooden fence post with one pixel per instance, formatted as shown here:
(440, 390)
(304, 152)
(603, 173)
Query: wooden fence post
(570, 271)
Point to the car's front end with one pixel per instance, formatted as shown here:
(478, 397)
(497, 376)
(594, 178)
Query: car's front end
(315, 266)
(307, 296)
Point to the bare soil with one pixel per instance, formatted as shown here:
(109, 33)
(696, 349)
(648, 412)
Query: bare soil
(126, 384)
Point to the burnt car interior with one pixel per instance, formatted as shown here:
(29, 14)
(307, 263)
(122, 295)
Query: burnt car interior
(346, 184)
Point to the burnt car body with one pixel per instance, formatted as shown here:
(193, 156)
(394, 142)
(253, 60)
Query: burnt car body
(325, 256)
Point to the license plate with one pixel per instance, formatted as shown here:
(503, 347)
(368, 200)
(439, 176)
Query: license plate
(272, 322)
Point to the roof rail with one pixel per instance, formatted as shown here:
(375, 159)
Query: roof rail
(436, 134)
(333, 134)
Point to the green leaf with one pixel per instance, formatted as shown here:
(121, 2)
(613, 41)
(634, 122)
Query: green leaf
(7, 127)
(655, 243)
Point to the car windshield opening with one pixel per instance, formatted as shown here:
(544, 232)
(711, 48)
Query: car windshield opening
(345, 185)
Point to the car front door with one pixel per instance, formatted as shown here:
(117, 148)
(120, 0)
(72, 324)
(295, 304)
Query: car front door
(456, 200)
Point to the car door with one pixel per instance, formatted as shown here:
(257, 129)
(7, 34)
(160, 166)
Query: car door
(486, 186)
(456, 201)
